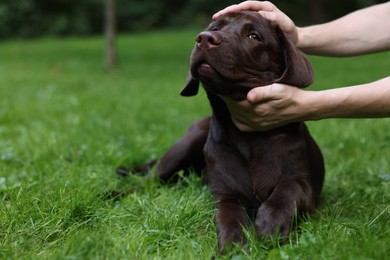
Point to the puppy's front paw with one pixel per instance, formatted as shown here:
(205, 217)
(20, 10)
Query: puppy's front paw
(272, 220)
(227, 236)
(142, 169)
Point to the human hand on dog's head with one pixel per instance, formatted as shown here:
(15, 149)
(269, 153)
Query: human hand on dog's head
(268, 11)
(268, 107)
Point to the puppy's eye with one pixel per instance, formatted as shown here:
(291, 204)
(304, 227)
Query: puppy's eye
(214, 29)
(254, 36)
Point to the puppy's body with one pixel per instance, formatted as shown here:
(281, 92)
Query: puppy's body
(274, 172)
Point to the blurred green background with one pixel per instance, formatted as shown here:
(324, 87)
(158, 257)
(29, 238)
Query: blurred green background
(33, 18)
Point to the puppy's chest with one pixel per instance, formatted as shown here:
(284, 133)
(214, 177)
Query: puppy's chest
(262, 155)
(243, 167)
(253, 164)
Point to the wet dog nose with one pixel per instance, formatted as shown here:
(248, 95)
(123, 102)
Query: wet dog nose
(208, 40)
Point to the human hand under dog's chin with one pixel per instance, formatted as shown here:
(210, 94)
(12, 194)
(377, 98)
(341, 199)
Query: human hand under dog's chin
(269, 11)
(267, 107)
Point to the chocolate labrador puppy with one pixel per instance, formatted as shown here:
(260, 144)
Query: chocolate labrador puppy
(275, 173)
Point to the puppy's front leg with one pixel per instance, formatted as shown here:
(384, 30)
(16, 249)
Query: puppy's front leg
(231, 218)
(276, 214)
(186, 153)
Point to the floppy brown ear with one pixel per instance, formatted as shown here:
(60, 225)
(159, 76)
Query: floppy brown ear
(192, 86)
(298, 71)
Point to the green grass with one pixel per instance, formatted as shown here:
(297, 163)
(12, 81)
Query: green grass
(66, 123)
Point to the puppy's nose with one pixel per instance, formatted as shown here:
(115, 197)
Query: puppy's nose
(208, 40)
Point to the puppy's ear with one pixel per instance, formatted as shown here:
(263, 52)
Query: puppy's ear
(298, 71)
(192, 86)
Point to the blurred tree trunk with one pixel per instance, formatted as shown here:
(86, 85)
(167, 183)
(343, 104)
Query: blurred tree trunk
(317, 11)
(110, 33)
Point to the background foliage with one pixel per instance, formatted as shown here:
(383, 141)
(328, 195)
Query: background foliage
(31, 18)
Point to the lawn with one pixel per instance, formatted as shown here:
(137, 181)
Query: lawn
(66, 124)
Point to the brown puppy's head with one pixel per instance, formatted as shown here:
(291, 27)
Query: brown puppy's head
(240, 51)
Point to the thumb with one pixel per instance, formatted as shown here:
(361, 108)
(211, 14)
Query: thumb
(259, 94)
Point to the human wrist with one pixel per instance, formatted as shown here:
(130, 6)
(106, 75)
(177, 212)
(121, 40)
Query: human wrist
(310, 40)
(311, 105)
(301, 39)
(330, 103)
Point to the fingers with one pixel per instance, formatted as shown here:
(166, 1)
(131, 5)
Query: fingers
(242, 126)
(266, 107)
(229, 9)
(270, 16)
(269, 11)
(247, 5)
(248, 125)
(244, 116)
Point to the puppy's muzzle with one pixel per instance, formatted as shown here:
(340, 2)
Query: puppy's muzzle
(207, 40)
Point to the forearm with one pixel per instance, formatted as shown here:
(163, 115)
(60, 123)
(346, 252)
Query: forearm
(363, 101)
(360, 32)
